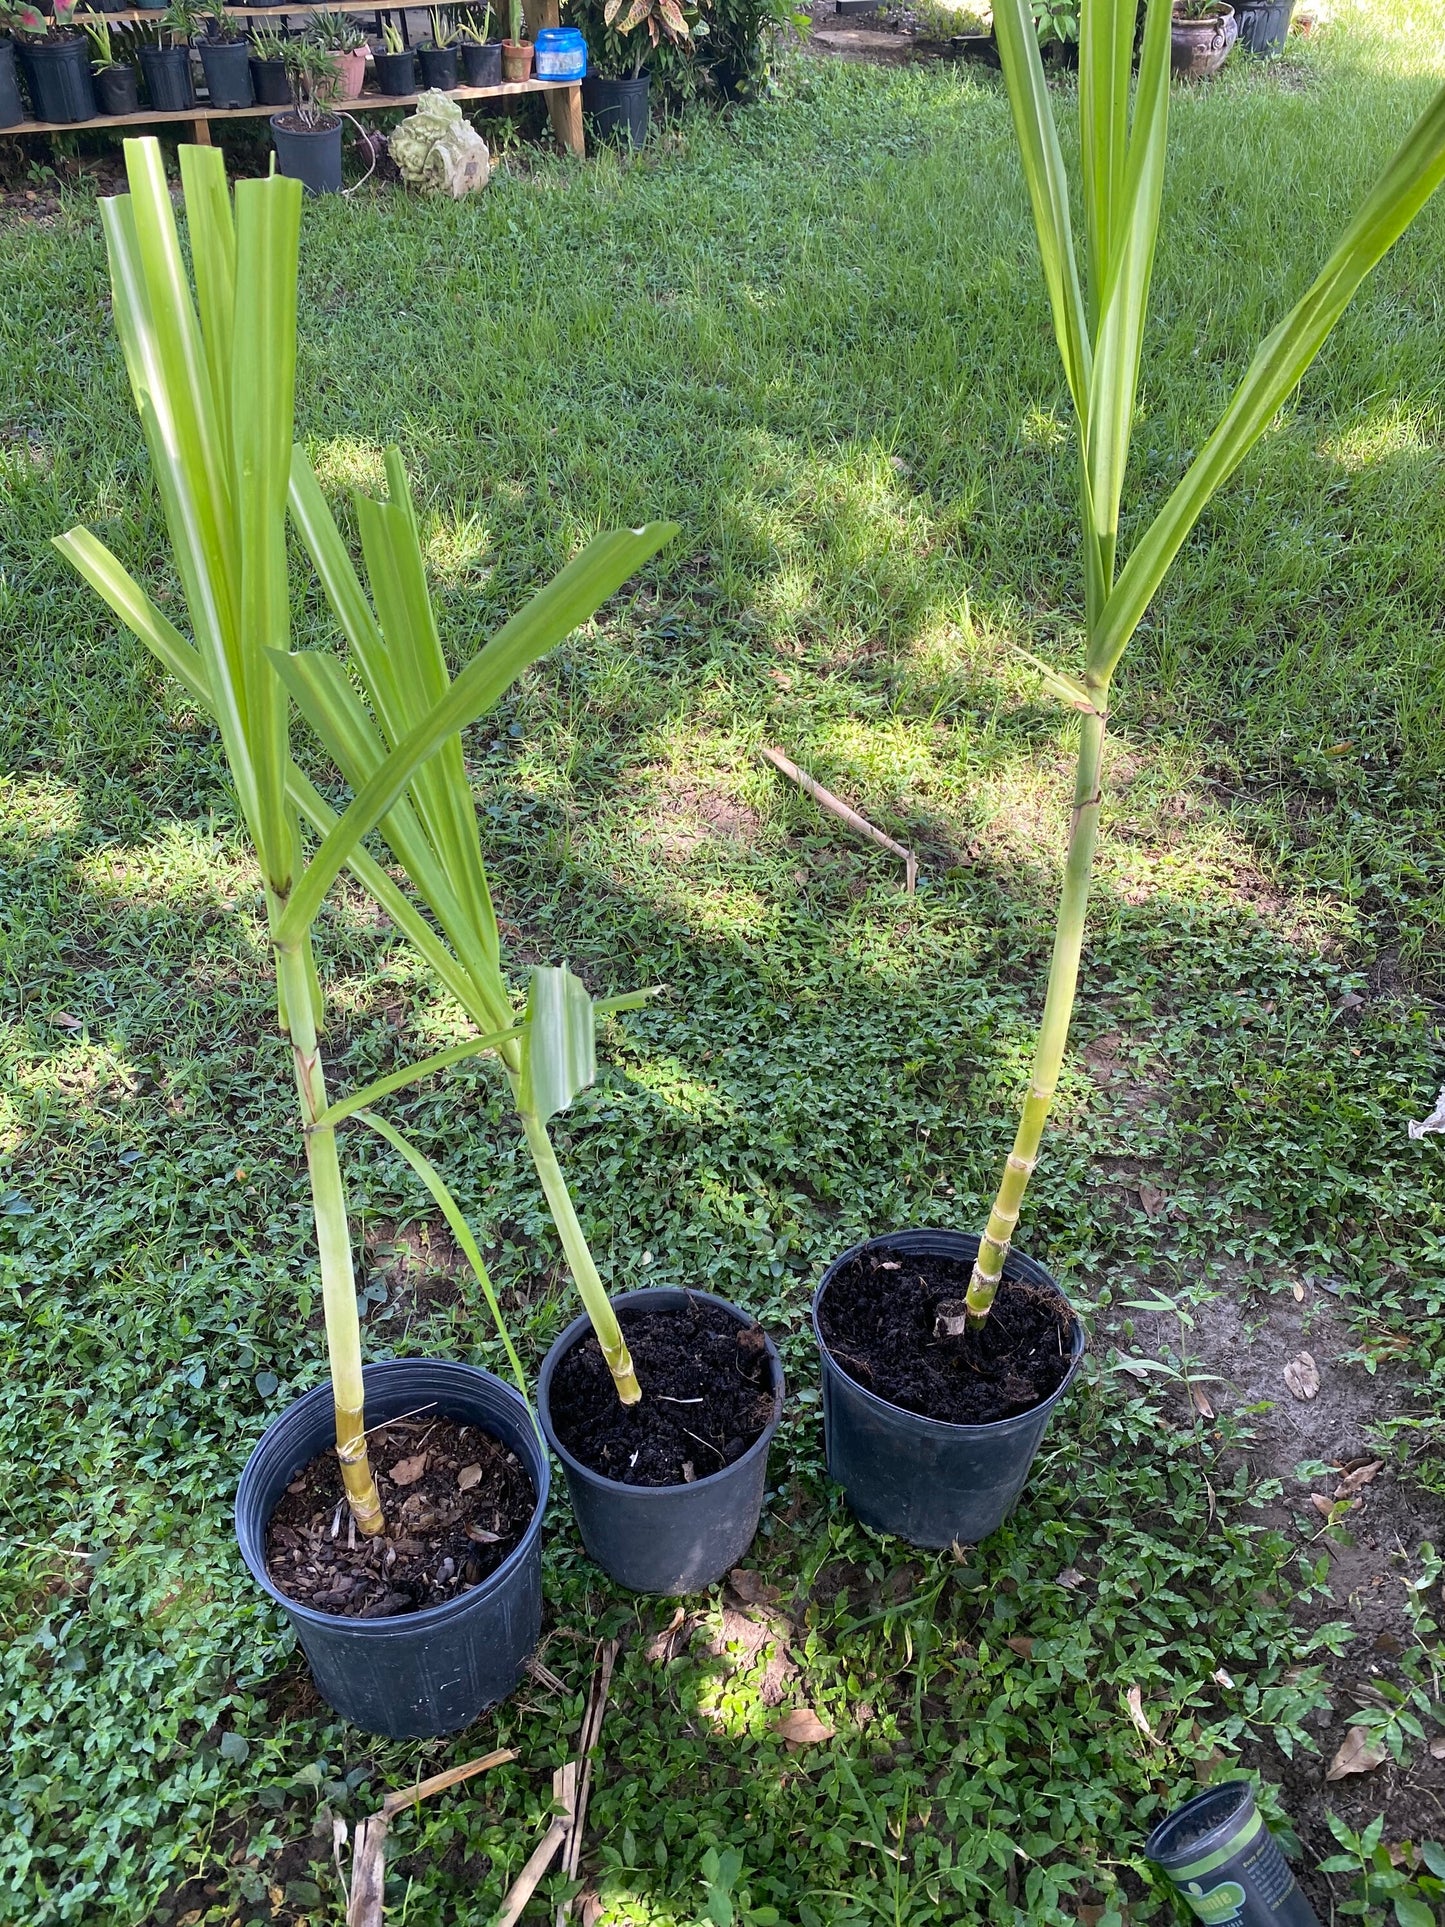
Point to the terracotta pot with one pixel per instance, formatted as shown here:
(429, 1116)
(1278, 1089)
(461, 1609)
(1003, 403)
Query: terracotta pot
(517, 59)
(351, 74)
(1199, 48)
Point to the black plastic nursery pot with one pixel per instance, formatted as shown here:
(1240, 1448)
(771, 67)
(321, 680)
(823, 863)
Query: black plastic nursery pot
(57, 72)
(427, 1672)
(12, 108)
(311, 155)
(270, 83)
(482, 66)
(669, 1539)
(396, 73)
(618, 106)
(925, 1480)
(117, 90)
(1264, 25)
(227, 67)
(438, 67)
(1226, 1864)
(167, 72)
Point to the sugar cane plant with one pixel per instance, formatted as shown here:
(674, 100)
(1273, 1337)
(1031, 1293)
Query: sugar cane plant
(213, 380)
(1098, 316)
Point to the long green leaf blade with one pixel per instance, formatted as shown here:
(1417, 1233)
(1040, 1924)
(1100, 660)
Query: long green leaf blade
(559, 1048)
(1106, 47)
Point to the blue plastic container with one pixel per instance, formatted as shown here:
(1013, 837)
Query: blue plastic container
(561, 54)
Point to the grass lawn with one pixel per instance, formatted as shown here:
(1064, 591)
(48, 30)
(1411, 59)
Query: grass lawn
(817, 336)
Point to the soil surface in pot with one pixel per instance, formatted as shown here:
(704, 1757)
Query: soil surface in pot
(877, 1319)
(293, 124)
(707, 1395)
(456, 1502)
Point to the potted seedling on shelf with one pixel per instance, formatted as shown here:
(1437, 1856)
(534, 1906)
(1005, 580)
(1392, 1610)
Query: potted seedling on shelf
(307, 136)
(12, 107)
(1202, 35)
(226, 61)
(438, 52)
(55, 56)
(166, 65)
(338, 34)
(616, 95)
(270, 76)
(517, 50)
(943, 1355)
(395, 1512)
(481, 55)
(117, 85)
(396, 63)
(666, 1472)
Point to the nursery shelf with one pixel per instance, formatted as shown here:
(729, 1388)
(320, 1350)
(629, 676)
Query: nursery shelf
(202, 114)
(126, 15)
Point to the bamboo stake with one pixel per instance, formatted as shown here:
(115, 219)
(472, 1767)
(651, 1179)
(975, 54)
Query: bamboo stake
(564, 1794)
(845, 814)
(586, 1747)
(368, 1846)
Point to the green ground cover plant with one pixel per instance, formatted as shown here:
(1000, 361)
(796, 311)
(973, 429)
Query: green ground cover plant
(815, 335)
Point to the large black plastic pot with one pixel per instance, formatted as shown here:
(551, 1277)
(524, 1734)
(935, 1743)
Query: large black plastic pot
(12, 108)
(227, 67)
(270, 82)
(1225, 1862)
(665, 1538)
(427, 1672)
(311, 155)
(167, 72)
(1264, 25)
(617, 106)
(482, 66)
(117, 90)
(438, 67)
(927, 1481)
(57, 72)
(396, 73)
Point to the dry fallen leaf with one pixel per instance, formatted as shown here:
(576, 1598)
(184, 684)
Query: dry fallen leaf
(1134, 1699)
(1302, 1376)
(1071, 1577)
(1362, 1475)
(65, 1021)
(592, 1909)
(1221, 1678)
(1299, 1292)
(1201, 1403)
(802, 1727)
(1359, 1754)
(1437, 1749)
(1322, 1504)
(1153, 1201)
(665, 1644)
(408, 1471)
(1022, 1646)
(752, 1589)
(469, 1476)
(480, 1537)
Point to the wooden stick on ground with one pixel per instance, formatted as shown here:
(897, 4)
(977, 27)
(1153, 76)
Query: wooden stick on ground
(837, 807)
(586, 1747)
(368, 1843)
(564, 1794)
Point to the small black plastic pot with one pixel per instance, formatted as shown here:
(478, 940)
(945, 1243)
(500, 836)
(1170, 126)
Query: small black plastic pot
(311, 155)
(167, 72)
(428, 1672)
(396, 73)
(482, 66)
(12, 108)
(1226, 1864)
(117, 90)
(227, 67)
(57, 72)
(270, 82)
(927, 1481)
(438, 67)
(670, 1539)
(617, 107)
(1264, 25)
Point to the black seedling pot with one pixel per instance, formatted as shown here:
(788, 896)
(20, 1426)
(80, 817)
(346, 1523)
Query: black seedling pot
(57, 71)
(167, 73)
(432, 1671)
(482, 66)
(311, 155)
(270, 83)
(396, 73)
(1226, 1864)
(665, 1538)
(438, 67)
(929, 1482)
(1264, 25)
(117, 90)
(617, 106)
(12, 108)
(227, 67)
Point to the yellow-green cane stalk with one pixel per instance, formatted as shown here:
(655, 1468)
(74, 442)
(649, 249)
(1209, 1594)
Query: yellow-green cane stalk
(1099, 319)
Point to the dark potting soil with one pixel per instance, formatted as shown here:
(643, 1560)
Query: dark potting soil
(1212, 1814)
(707, 1395)
(455, 1500)
(877, 1319)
